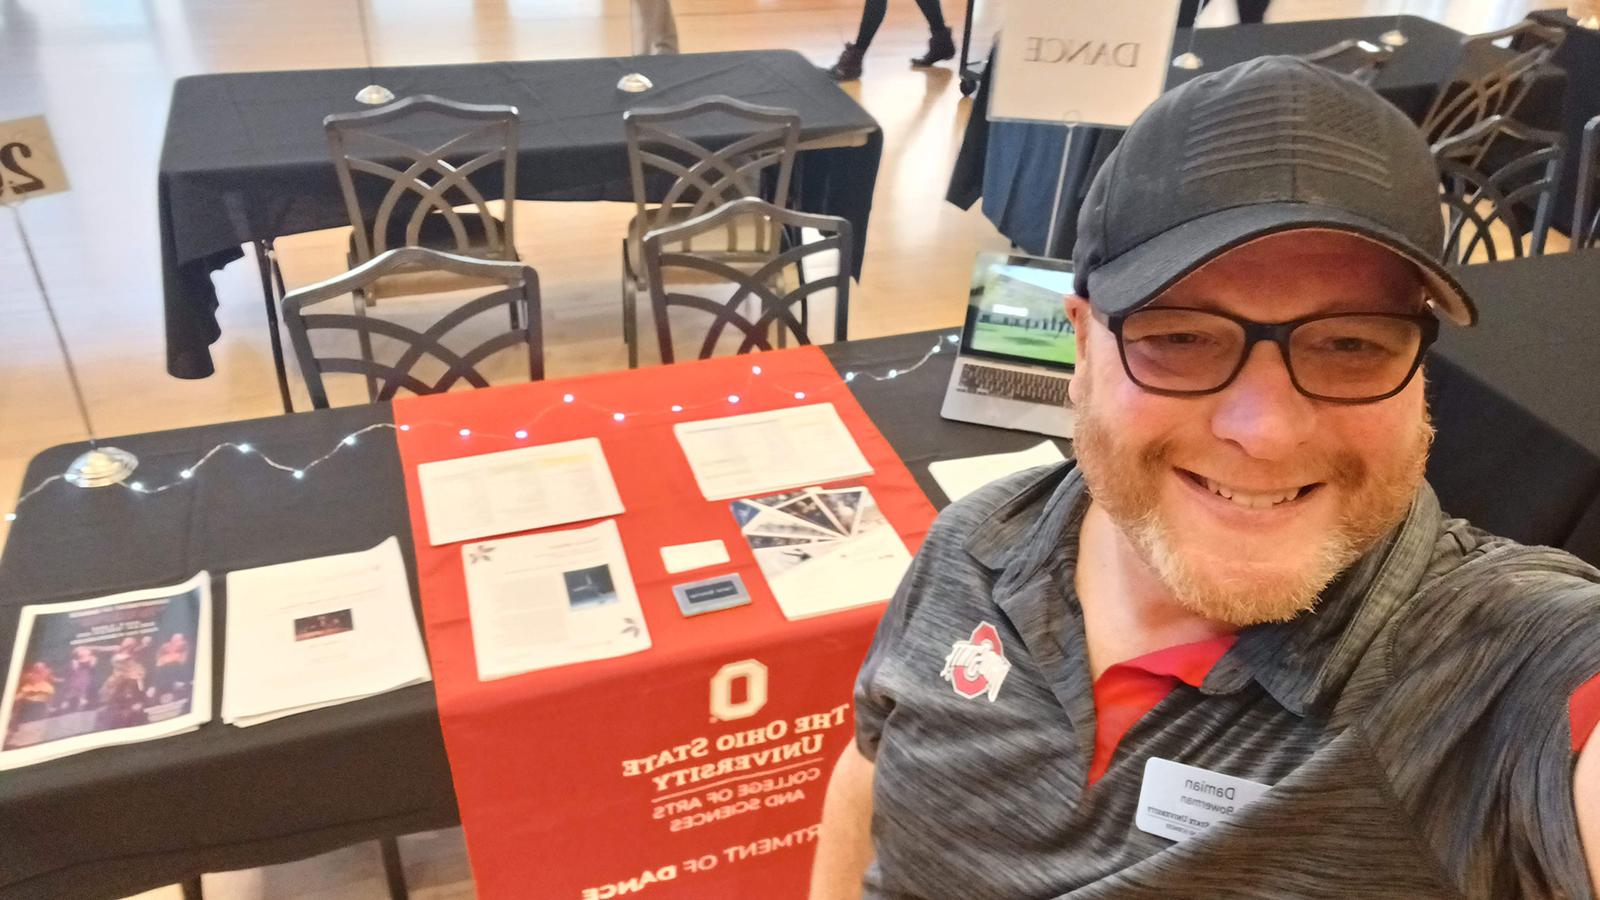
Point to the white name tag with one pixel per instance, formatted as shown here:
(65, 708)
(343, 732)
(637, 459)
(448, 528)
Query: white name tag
(1178, 802)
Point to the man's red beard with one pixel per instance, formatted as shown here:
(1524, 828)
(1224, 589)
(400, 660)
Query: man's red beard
(1126, 482)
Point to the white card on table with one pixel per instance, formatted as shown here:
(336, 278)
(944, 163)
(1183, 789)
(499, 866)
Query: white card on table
(683, 557)
(960, 477)
(757, 453)
(1178, 802)
(516, 490)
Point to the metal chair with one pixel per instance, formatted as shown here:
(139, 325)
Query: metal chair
(399, 194)
(1478, 200)
(517, 288)
(1361, 60)
(1498, 92)
(1586, 211)
(815, 262)
(694, 158)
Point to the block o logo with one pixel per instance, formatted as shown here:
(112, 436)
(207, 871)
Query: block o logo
(754, 676)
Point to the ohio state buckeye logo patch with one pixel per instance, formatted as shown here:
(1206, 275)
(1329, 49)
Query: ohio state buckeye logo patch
(977, 667)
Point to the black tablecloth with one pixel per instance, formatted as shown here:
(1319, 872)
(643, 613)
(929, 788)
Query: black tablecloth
(1514, 399)
(1014, 166)
(1518, 451)
(114, 822)
(245, 157)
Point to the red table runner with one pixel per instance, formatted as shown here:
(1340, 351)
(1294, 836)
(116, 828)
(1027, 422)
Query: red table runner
(693, 769)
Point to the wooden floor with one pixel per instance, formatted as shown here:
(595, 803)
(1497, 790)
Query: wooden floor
(101, 70)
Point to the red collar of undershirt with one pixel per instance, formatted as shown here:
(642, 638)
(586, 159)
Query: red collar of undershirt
(1189, 663)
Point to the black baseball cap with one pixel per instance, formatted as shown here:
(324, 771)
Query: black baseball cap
(1270, 145)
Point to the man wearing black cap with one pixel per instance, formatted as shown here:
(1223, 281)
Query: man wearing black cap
(1235, 649)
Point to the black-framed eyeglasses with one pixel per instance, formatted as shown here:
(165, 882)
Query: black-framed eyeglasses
(1336, 357)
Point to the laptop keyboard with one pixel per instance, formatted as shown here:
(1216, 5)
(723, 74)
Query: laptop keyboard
(1011, 384)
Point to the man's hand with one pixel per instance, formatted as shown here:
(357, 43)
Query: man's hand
(1586, 797)
(844, 848)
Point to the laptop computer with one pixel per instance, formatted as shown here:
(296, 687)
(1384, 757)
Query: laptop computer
(1017, 347)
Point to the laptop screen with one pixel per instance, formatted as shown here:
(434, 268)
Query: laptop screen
(1017, 310)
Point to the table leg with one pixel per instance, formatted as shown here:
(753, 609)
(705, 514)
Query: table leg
(271, 282)
(393, 871)
(191, 889)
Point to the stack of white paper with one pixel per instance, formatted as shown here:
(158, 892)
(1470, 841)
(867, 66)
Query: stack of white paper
(551, 599)
(737, 456)
(960, 477)
(319, 632)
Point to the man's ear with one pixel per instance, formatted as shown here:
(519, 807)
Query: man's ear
(1078, 314)
(1082, 319)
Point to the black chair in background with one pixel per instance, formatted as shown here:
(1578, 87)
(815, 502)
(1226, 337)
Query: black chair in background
(1489, 205)
(1586, 213)
(400, 193)
(423, 363)
(1497, 92)
(755, 308)
(669, 159)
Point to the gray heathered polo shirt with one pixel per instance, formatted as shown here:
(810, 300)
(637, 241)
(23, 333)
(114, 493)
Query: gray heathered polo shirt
(1414, 728)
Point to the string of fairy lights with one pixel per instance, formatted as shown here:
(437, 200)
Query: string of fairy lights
(299, 472)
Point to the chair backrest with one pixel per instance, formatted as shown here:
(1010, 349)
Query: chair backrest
(1498, 91)
(1361, 60)
(813, 258)
(423, 157)
(1586, 209)
(519, 296)
(705, 153)
(1491, 174)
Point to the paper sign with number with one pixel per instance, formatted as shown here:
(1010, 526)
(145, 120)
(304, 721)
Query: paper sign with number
(29, 165)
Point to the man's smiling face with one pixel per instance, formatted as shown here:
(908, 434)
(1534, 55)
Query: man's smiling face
(1248, 501)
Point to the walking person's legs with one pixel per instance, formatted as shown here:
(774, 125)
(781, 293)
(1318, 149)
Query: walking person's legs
(941, 45)
(1253, 12)
(655, 31)
(848, 68)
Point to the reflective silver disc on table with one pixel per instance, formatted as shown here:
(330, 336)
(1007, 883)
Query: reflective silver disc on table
(634, 83)
(102, 467)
